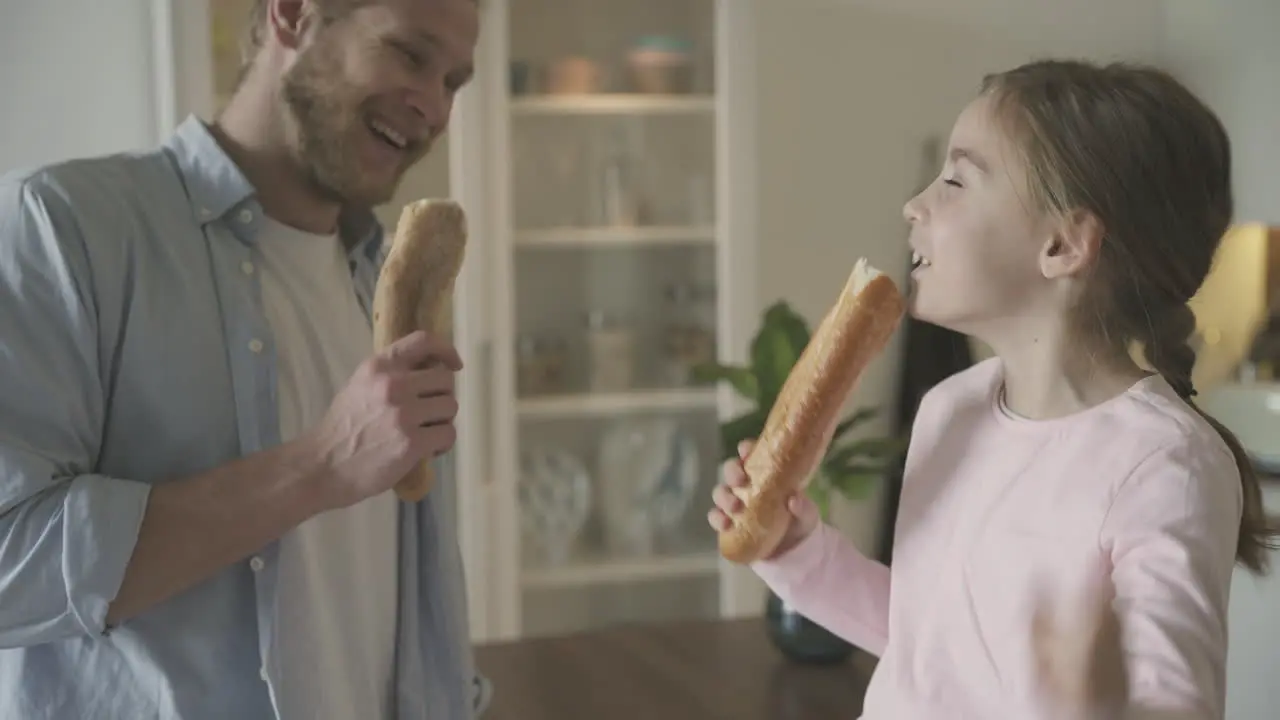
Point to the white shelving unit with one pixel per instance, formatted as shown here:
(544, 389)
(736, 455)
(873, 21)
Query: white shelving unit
(548, 247)
(526, 163)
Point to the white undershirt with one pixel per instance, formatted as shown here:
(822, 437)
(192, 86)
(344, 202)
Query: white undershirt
(336, 608)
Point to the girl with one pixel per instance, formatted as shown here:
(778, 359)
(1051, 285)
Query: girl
(1077, 212)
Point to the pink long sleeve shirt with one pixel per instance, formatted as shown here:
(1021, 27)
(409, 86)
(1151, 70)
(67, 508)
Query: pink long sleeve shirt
(995, 507)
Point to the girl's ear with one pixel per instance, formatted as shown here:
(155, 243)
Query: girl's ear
(1073, 246)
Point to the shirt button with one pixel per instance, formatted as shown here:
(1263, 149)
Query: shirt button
(262, 673)
(246, 216)
(255, 345)
(246, 267)
(256, 564)
(204, 213)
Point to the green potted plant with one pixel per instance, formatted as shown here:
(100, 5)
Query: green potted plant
(851, 467)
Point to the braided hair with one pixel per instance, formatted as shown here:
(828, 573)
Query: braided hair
(1134, 147)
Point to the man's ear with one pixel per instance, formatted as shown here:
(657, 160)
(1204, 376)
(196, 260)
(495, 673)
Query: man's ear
(288, 21)
(1073, 245)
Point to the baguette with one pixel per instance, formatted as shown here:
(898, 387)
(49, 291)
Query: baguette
(799, 426)
(415, 292)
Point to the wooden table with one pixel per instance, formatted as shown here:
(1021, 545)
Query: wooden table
(688, 671)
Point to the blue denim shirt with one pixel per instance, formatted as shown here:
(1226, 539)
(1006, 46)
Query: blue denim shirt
(133, 351)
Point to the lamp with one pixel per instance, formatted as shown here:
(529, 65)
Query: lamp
(1232, 305)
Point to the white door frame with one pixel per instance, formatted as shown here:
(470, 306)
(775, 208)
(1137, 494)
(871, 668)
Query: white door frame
(181, 63)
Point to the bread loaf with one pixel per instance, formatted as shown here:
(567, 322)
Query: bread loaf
(799, 425)
(415, 292)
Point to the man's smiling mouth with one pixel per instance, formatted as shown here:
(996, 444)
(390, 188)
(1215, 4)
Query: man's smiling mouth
(388, 135)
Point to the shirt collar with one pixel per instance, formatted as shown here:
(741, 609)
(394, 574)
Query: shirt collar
(218, 189)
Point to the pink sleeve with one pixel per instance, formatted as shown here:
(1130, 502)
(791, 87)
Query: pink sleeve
(1172, 531)
(828, 581)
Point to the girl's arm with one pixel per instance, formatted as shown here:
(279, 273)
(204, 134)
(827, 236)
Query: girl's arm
(828, 581)
(1172, 533)
(1081, 661)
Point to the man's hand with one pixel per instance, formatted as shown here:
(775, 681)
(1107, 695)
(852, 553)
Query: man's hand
(396, 410)
(1080, 655)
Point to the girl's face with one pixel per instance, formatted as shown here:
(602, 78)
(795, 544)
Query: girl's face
(977, 235)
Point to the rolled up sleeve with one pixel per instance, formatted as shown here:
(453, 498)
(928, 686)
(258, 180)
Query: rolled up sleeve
(66, 533)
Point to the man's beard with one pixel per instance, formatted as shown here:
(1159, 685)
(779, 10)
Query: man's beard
(327, 125)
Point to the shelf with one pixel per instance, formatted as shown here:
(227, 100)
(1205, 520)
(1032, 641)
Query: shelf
(613, 104)
(616, 237)
(587, 404)
(622, 571)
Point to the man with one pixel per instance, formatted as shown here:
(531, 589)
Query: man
(196, 446)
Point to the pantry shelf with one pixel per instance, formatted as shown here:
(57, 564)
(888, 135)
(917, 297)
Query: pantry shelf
(617, 236)
(639, 401)
(613, 104)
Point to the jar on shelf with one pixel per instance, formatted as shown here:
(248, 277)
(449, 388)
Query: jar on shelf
(610, 353)
(660, 64)
(540, 365)
(689, 337)
(574, 75)
(617, 193)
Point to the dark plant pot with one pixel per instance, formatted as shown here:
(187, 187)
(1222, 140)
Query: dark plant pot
(801, 639)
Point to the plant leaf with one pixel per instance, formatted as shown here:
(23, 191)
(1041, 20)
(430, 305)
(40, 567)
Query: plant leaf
(867, 448)
(820, 493)
(857, 418)
(776, 348)
(865, 469)
(794, 326)
(747, 426)
(741, 378)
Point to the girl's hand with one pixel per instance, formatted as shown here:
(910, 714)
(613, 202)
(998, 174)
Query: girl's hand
(1080, 656)
(804, 513)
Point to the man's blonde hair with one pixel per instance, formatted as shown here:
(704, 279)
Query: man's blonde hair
(329, 11)
(256, 25)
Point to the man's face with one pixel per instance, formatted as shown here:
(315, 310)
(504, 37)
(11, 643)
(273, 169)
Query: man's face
(368, 95)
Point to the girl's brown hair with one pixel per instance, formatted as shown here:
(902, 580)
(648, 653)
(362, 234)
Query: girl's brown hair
(1134, 147)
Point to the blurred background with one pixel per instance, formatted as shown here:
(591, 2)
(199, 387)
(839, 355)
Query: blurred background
(644, 179)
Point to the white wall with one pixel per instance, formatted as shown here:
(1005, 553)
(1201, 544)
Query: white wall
(1227, 52)
(1132, 28)
(848, 92)
(63, 94)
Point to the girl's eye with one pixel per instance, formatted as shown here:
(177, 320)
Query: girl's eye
(952, 182)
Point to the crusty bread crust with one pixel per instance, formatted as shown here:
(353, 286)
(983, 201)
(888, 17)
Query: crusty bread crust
(415, 292)
(854, 331)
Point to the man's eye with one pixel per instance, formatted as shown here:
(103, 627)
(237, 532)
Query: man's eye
(952, 182)
(410, 55)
